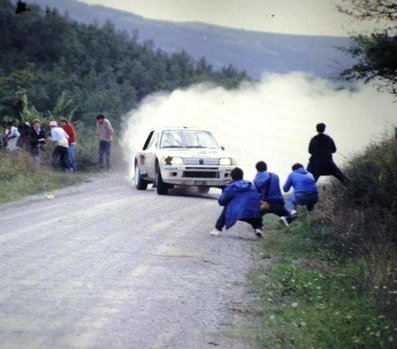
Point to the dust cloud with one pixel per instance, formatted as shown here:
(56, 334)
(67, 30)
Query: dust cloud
(271, 120)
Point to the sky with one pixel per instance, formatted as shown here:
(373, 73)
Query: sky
(308, 17)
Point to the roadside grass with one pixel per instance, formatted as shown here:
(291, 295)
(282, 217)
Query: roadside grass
(310, 296)
(330, 280)
(20, 177)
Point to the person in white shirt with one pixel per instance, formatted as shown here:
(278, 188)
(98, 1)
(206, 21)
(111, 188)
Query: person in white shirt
(11, 136)
(60, 153)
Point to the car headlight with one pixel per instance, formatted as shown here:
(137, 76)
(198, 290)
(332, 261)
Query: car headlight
(177, 161)
(169, 160)
(227, 162)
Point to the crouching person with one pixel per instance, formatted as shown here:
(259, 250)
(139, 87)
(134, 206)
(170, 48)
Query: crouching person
(305, 189)
(241, 203)
(268, 185)
(59, 155)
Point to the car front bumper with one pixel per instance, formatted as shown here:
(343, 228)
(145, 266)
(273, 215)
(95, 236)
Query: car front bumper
(207, 176)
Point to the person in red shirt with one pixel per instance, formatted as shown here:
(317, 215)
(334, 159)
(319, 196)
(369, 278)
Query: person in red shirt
(71, 132)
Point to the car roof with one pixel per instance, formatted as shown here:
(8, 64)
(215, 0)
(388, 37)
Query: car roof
(180, 128)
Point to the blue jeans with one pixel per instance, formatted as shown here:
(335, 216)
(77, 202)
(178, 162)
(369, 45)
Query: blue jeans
(302, 198)
(72, 156)
(104, 152)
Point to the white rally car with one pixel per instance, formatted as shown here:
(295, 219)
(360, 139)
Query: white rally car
(182, 156)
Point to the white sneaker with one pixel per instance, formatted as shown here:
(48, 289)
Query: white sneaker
(294, 213)
(284, 221)
(215, 232)
(258, 233)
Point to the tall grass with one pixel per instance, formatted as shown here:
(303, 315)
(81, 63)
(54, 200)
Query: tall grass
(332, 278)
(364, 216)
(20, 176)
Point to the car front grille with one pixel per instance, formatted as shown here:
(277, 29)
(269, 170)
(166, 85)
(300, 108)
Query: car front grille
(200, 161)
(200, 174)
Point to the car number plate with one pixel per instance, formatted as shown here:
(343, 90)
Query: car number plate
(200, 182)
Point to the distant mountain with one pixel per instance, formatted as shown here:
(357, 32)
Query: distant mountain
(254, 52)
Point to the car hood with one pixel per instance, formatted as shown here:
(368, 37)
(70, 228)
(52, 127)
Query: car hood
(196, 153)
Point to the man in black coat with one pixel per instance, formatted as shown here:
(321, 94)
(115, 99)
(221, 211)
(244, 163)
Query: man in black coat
(37, 140)
(321, 148)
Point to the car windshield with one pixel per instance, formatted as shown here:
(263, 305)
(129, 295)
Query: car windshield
(187, 139)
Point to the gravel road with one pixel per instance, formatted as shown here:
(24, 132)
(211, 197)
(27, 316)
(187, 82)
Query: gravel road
(103, 265)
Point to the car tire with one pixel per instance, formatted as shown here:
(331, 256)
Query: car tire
(162, 188)
(140, 183)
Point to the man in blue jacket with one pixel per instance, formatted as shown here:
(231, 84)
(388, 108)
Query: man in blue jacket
(241, 203)
(305, 188)
(268, 185)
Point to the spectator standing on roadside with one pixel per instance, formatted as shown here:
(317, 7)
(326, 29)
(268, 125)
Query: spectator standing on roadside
(60, 153)
(305, 188)
(11, 136)
(268, 185)
(37, 141)
(71, 132)
(321, 148)
(241, 203)
(104, 133)
(24, 130)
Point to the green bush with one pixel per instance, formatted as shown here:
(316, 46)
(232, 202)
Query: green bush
(21, 176)
(332, 278)
(86, 148)
(14, 164)
(363, 216)
(310, 296)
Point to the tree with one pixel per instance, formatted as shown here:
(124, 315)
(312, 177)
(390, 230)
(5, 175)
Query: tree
(376, 52)
(371, 9)
(78, 70)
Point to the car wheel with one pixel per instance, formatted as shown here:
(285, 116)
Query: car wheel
(162, 188)
(140, 183)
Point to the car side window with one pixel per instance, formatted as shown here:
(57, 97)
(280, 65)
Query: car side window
(148, 141)
(153, 140)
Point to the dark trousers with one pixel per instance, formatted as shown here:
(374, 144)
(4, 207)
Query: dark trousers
(278, 208)
(59, 158)
(327, 169)
(104, 154)
(338, 174)
(220, 222)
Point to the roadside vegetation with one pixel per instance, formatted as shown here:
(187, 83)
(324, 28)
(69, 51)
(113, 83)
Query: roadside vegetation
(52, 67)
(20, 176)
(47, 57)
(330, 280)
(374, 52)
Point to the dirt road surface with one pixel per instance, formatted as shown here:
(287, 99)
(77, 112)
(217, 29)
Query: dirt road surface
(103, 265)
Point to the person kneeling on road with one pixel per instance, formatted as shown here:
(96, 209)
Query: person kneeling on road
(268, 185)
(241, 203)
(305, 189)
